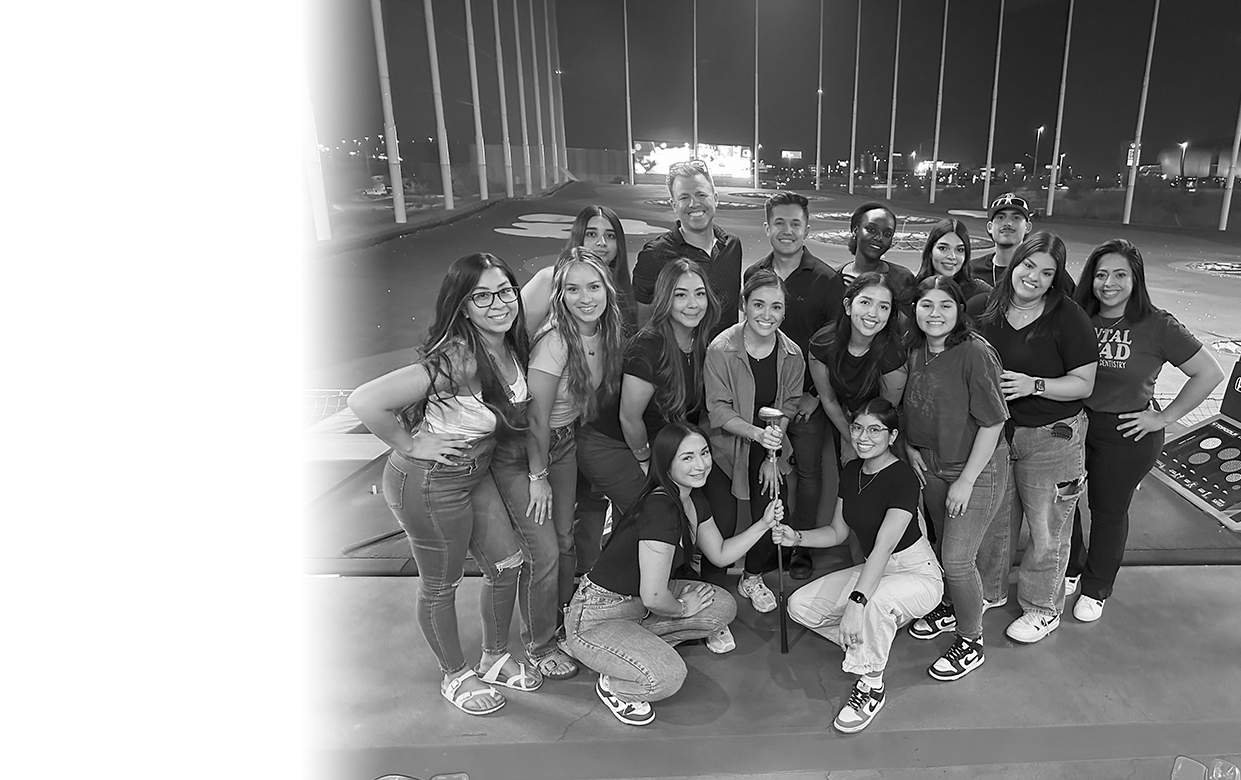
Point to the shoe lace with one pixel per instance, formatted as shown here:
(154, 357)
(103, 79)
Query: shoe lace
(959, 650)
(858, 699)
(942, 611)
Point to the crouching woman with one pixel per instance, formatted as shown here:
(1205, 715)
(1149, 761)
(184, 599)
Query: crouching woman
(861, 608)
(639, 601)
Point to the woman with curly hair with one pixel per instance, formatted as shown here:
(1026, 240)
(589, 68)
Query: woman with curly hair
(441, 416)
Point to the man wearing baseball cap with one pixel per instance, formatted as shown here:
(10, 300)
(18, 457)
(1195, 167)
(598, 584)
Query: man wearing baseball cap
(1008, 225)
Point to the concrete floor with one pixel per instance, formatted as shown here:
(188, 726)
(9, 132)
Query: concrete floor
(1159, 675)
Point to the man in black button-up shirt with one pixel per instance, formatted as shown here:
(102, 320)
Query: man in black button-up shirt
(816, 295)
(696, 237)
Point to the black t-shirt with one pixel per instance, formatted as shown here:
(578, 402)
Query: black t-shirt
(642, 361)
(722, 268)
(765, 382)
(656, 517)
(1060, 340)
(868, 497)
(847, 381)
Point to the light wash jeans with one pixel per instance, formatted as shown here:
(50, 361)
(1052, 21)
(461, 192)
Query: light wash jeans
(1048, 477)
(960, 537)
(446, 511)
(545, 581)
(616, 635)
(911, 586)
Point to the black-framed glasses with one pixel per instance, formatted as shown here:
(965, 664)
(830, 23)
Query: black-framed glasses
(871, 431)
(483, 300)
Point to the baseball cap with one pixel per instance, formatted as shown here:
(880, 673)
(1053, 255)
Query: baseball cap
(1009, 201)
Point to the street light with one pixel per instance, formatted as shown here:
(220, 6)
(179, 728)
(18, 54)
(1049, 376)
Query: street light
(1184, 145)
(1038, 137)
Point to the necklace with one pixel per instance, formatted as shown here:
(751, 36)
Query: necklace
(929, 354)
(589, 343)
(1115, 324)
(861, 471)
(1026, 308)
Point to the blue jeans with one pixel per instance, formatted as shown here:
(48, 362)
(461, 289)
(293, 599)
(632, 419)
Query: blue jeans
(1048, 476)
(1115, 465)
(616, 635)
(545, 581)
(960, 537)
(447, 511)
(911, 586)
(611, 467)
(807, 440)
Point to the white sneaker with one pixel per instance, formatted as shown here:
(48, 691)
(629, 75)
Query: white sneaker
(1001, 601)
(1070, 585)
(754, 589)
(721, 641)
(1087, 610)
(1031, 627)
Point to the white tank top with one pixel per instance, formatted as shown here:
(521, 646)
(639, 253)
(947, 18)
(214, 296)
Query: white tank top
(467, 415)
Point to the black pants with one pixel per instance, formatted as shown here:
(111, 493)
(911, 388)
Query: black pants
(1115, 464)
(719, 489)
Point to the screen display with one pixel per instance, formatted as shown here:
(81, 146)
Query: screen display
(728, 161)
(1206, 462)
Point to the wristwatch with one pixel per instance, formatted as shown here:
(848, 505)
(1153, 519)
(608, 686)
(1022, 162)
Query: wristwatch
(859, 597)
(1039, 386)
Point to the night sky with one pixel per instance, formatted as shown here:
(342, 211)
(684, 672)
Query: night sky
(1194, 95)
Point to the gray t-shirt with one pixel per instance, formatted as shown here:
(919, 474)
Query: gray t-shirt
(948, 399)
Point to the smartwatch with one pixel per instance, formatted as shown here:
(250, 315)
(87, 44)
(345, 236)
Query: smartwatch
(1039, 386)
(859, 597)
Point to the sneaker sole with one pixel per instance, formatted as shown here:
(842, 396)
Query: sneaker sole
(603, 697)
(1051, 627)
(937, 675)
(855, 729)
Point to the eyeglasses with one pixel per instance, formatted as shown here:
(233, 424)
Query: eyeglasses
(483, 300)
(871, 431)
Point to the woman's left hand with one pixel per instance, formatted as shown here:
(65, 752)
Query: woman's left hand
(1015, 384)
(851, 625)
(773, 515)
(959, 493)
(1138, 424)
(769, 478)
(806, 407)
(540, 506)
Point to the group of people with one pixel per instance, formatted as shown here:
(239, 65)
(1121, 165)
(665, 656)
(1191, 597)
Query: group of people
(979, 393)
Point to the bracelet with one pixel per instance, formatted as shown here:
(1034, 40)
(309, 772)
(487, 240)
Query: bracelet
(684, 608)
(541, 475)
(645, 449)
(798, 536)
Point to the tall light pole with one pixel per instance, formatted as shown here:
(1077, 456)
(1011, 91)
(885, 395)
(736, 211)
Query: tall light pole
(1184, 145)
(818, 131)
(1038, 136)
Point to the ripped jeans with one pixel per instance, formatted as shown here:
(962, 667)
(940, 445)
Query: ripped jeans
(1048, 478)
(446, 511)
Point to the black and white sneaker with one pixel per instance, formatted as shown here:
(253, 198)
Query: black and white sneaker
(938, 621)
(963, 657)
(861, 708)
(631, 713)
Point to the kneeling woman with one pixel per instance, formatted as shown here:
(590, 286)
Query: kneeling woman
(861, 608)
(637, 602)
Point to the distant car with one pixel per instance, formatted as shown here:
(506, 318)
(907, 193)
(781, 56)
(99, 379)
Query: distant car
(378, 188)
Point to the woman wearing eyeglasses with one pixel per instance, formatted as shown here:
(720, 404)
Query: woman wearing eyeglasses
(861, 608)
(947, 254)
(441, 417)
(954, 438)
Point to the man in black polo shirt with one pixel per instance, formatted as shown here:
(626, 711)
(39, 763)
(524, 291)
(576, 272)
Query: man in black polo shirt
(1008, 225)
(816, 295)
(696, 237)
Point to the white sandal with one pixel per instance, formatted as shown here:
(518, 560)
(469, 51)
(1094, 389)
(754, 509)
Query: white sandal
(458, 701)
(522, 681)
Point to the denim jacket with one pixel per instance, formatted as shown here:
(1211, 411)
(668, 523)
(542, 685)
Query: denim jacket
(730, 394)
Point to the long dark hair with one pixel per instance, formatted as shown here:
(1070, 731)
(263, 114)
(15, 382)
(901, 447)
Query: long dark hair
(1139, 306)
(453, 343)
(671, 394)
(620, 263)
(611, 335)
(659, 476)
(964, 277)
(834, 338)
(915, 338)
(1061, 284)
